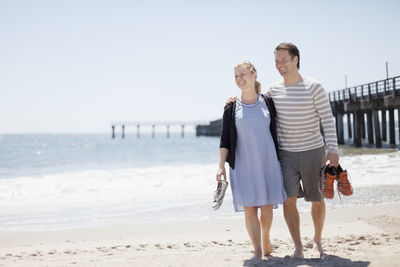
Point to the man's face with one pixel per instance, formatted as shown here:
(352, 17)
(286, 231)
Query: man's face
(284, 62)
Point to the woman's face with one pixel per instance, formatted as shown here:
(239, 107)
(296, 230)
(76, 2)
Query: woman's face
(243, 77)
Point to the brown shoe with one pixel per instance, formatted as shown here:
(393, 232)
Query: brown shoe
(328, 177)
(343, 183)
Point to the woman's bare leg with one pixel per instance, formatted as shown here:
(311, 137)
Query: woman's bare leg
(253, 228)
(266, 222)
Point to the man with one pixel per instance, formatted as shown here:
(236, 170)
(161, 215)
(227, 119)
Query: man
(301, 105)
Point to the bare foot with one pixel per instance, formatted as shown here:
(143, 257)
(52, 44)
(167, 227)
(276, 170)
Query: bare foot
(318, 251)
(298, 253)
(267, 246)
(256, 257)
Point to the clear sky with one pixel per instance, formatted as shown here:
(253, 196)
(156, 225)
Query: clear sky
(77, 65)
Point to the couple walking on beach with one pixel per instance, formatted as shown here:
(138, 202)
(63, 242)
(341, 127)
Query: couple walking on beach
(272, 142)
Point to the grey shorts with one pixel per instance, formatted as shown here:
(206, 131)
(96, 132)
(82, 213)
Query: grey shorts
(302, 166)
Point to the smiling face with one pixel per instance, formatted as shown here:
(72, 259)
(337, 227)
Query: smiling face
(285, 63)
(244, 78)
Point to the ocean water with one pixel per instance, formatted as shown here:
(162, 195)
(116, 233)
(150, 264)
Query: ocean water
(63, 181)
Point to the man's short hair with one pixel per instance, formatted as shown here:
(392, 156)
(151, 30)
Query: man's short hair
(292, 49)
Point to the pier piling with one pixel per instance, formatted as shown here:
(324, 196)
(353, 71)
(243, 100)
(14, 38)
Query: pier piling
(349, 125)
(398, 121)
(370, 128)
(362, 124)
(378, 139)
(384, 126)
(357, 128)
(392, 136)
(339, 127)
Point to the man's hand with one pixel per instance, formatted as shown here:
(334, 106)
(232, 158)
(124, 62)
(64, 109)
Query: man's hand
(232, 99)
(333, 159)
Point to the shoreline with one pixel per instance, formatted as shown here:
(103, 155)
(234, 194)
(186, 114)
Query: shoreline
(353, 236)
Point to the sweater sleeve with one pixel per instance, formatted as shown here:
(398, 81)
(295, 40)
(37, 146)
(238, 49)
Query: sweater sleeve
(225, 136)
(323, 108)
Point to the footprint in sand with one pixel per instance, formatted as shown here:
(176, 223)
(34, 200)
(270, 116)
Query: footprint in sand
(102, 249)
(68, 251)
(309, 245)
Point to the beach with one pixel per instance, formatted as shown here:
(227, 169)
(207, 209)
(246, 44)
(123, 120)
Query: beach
(88, 200)
(353, 236)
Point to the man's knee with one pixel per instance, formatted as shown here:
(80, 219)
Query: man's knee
(290, 202)
(318, 204)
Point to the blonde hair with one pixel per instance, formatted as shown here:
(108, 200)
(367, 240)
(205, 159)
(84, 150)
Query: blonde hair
(252, 70)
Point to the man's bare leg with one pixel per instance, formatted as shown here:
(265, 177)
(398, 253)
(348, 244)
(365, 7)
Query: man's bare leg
(318, 215)
(293, 222)
(253, 229)
(266, 222)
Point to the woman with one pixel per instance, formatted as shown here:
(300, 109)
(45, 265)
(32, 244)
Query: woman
(249, 145)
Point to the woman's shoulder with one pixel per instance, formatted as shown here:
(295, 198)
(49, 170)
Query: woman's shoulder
(229, 106)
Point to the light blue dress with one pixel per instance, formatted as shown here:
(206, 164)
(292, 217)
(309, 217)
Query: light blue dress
(257, 177)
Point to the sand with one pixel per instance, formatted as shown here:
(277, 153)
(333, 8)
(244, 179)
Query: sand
(354, 236)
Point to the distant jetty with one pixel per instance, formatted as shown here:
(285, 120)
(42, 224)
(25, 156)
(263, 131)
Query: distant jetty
(212, 129)
(369, 108)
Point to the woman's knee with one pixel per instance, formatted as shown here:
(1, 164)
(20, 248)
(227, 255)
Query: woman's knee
(250, 211)
(266, 209)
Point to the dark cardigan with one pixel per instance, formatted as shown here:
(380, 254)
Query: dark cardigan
(229, 134)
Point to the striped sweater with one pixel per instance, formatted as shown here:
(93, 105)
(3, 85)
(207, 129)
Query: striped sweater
(299, 109)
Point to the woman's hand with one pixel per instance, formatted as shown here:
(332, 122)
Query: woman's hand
(221, 172)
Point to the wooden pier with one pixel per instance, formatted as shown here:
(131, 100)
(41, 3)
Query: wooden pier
(140, 124)
(366, 108)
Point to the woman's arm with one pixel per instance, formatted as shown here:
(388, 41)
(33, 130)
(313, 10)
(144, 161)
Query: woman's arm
(223, 154)
(225, 142)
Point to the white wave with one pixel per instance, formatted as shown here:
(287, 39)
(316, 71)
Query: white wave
(106, 187)
(372, 170)
(84, 198)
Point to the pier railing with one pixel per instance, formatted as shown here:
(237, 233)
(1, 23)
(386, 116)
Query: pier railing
(374, 90)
